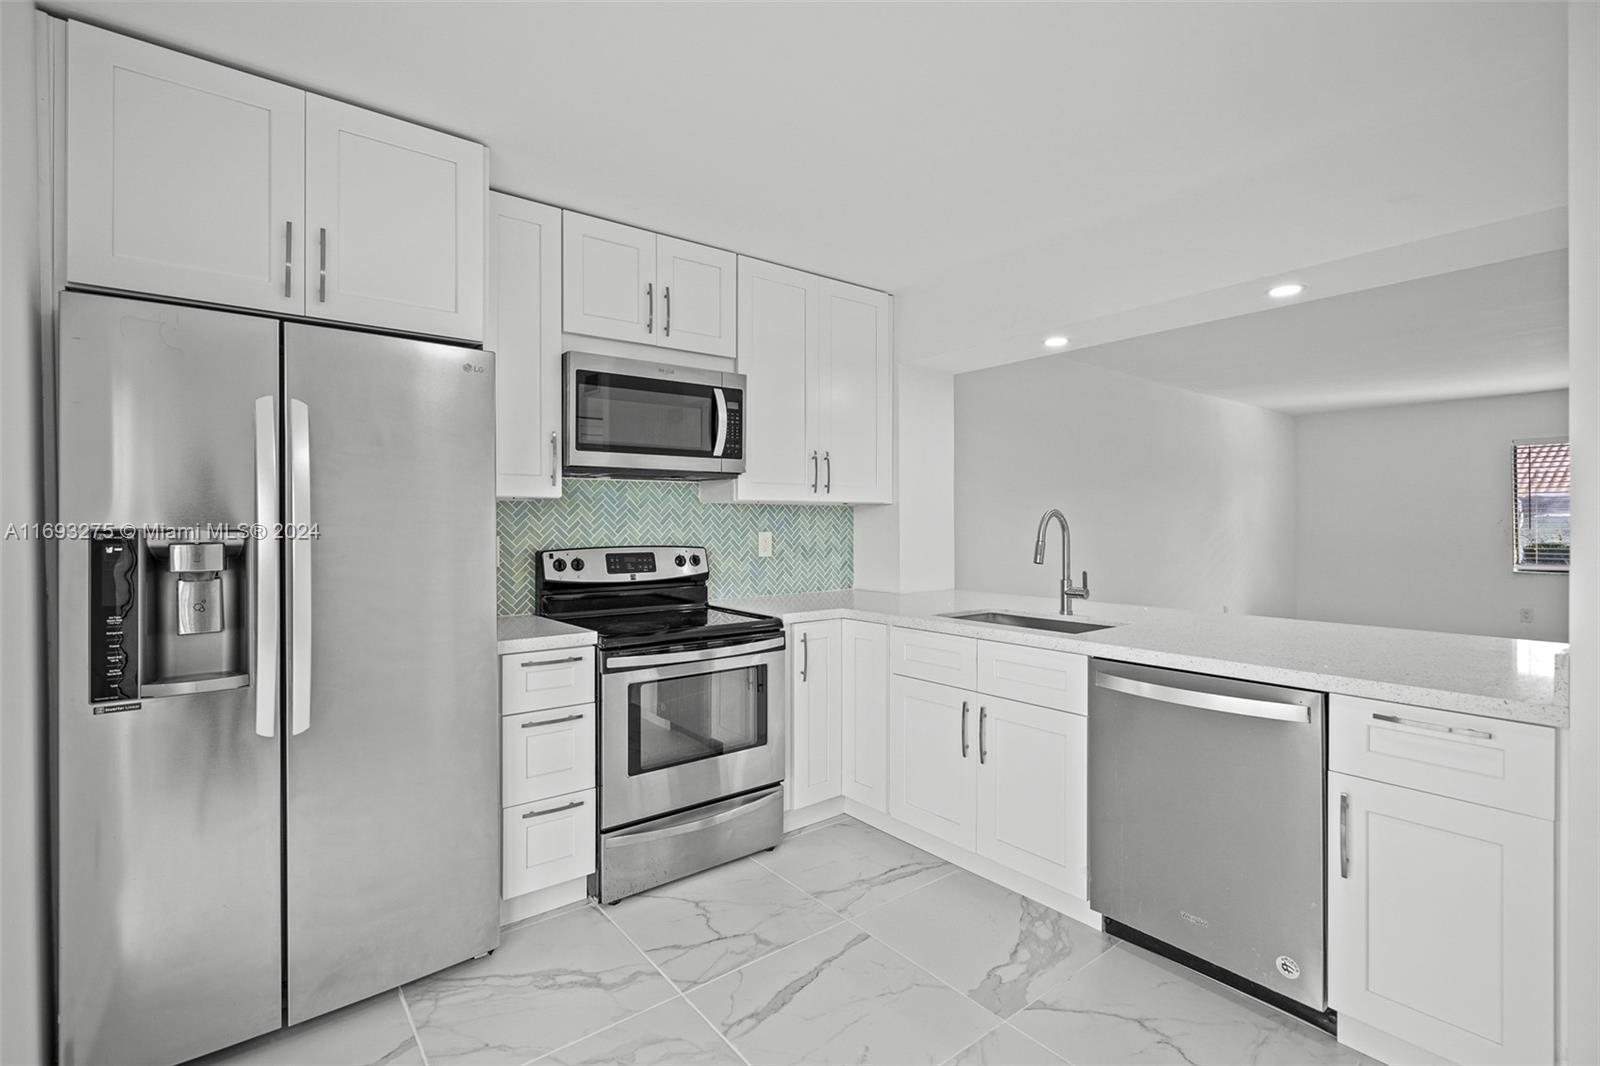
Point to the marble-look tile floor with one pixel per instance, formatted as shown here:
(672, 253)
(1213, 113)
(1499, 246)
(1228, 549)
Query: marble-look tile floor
(844, 945)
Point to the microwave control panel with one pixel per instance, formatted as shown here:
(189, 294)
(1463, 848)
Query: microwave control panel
(113, 622)
(734, 446)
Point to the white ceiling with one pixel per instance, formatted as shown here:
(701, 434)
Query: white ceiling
(1489, 331)
(1008, 170)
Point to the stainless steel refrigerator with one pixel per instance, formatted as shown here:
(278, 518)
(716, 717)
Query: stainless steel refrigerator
(276, 760)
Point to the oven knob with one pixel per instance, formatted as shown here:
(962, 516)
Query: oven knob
(694, 560)
(559, 565)
(679, 560)
(577, 564)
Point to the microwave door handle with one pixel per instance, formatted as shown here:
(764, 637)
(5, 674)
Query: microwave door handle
(721, 396)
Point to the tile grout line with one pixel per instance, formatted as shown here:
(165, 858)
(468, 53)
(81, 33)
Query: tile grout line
(415, 1035)
(680, 993)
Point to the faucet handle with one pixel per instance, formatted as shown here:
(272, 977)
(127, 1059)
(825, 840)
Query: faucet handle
(1079, 593)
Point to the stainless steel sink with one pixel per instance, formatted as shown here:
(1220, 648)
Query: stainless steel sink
(1026, 621)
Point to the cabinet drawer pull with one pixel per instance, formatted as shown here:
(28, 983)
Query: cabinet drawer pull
(964, 710)
(805, 655)
(288, 256)
(666, 299)
(1344, 835)
(554, 464)
(553, 721)
(983, 738)
(552, 662)
(650, 308)
(827, 485)
(322, 265)
(553, 810)
(1435, 727)
(813, 471)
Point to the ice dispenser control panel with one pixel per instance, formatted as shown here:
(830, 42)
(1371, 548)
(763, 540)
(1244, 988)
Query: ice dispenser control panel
(113, 622)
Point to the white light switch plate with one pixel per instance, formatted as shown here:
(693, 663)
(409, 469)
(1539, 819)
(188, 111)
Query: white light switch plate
(764, 544)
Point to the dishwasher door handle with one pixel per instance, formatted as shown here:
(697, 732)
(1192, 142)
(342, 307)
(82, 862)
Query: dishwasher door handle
(1274, 710)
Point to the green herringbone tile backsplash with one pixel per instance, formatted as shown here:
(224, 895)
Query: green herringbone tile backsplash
(812, 546)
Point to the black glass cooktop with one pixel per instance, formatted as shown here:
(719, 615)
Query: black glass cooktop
(674, 625)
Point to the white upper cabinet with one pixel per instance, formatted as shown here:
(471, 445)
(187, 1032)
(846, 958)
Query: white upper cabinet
(395, 212)
(698, 286)
(184, 178)
(608, 279)
(820, 367)
(522, 326)
(189, 179)
(858, 395)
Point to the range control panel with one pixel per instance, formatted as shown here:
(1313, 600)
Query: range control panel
(603, 565)
(113, 624)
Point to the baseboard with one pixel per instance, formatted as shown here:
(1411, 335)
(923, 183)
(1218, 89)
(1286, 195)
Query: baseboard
(817, 812)
(1004, 876)
(533, 904)
(1357, 1034)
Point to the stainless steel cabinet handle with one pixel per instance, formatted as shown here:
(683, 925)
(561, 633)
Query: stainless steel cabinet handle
(983, 735)
(554, 464)
(827, 486)
(322, 265)
(813, 471)
(553, 721)
(650, 308)
(964, 710)
(553, 810)
(552, 662)
(288, 255)
(805, 655)
(1435, 727)
(267, 566)
(1344, 835)
(1206, 701)
(666, 298)
(299, 567)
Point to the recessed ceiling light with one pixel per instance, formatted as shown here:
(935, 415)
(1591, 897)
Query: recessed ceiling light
(1058, 341)
(1286, 290)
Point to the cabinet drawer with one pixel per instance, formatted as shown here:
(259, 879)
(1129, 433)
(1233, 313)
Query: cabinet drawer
(546, 843)
(538, 681)
(546, 753)
(1509, 765)
(936, 657)
(1039, 676)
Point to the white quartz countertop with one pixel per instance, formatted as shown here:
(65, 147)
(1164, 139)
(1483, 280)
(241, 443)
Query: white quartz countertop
(521, 633)
(1516, 680)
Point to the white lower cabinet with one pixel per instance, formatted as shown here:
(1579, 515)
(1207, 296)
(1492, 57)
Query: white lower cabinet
(816, 701)
(1033, 791)
(1441, 923)
(933, 762)
(546, 843)
(546, 753)
(866, 712)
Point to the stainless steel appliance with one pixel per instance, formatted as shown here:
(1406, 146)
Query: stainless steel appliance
(655, 420)
(1206, 826)
(276, 787)
(692, 745)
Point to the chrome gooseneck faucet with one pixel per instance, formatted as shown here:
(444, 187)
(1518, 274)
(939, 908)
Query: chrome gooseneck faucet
(1068, 592)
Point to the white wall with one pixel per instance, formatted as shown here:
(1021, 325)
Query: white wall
(22, 834)
(909, 545)
(1404, 517)
(1175, 499)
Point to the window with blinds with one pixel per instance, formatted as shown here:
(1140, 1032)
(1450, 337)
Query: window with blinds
(1543, 516)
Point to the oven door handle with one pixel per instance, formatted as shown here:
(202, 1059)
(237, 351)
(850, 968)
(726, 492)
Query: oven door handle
(694, 821)
(721, 397)
(672, 658)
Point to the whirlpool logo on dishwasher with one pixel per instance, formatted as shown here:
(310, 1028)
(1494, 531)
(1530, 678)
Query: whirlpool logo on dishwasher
(1194, 919)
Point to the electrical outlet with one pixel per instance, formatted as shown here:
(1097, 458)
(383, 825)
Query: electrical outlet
(764, 544)
(1526, 614)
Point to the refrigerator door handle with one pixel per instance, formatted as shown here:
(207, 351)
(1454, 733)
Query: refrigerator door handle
(298, 531)
(267, 546)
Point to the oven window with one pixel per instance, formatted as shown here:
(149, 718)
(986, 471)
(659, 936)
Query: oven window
(616, 413)
(685, 719)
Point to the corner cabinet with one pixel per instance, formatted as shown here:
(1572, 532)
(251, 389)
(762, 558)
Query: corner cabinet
(865, 665)
(522, 326)
(629, 284)
(189, 179)
(820, 364)
(816, 701)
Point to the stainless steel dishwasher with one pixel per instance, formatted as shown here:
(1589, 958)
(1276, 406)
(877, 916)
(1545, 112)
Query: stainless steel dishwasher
(1206, 826)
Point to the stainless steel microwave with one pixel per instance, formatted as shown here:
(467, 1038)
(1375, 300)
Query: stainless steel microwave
(626, 417)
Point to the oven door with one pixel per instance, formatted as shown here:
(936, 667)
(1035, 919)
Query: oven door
(624, 416)
(685, 727)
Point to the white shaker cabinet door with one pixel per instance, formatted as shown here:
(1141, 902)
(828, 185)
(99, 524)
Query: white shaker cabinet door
(778, 352)
(184, 178)
(1441, 922)
(395, 223)
(1033, 792)
(857, 406)
(866, 712)
(608, 278)
(522, 326)
(698, 297)
(933, 759)
(815, 662)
